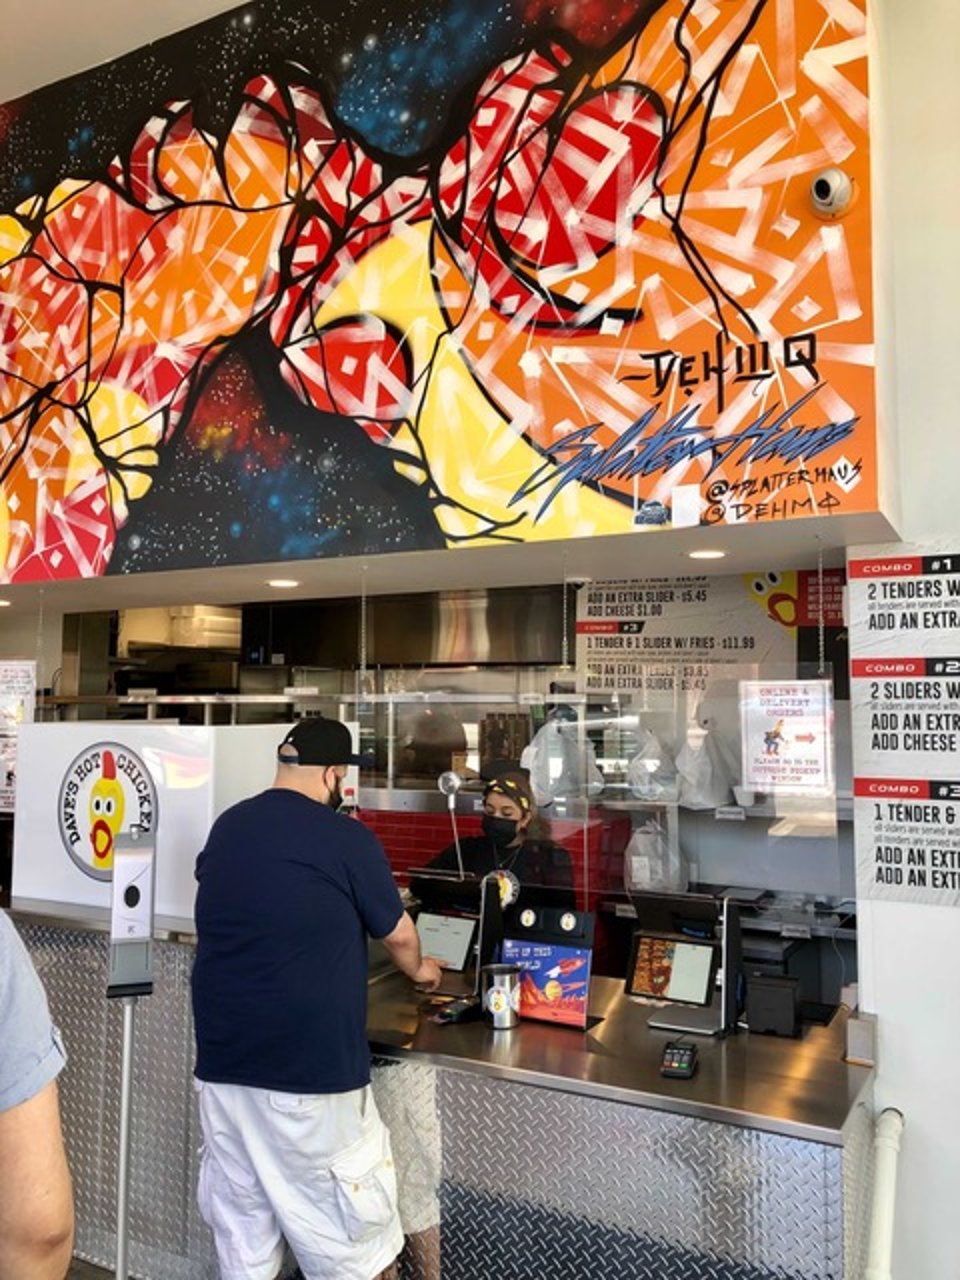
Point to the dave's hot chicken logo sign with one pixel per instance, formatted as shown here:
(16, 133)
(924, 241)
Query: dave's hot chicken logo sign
(106, 790)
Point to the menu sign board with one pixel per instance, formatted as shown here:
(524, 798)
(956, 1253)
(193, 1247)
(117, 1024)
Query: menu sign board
(662, 636)
(905, 709)
(905, 691)
(908, 840)
(18, 683)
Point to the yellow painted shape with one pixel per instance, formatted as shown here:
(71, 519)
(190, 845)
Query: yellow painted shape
(477, 459)
(62, 193)
(392, 280)
(126, 431)
(30, 207)
(14, 237)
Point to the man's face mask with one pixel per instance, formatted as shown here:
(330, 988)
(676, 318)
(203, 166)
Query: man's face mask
(502, 831)
(335, 798)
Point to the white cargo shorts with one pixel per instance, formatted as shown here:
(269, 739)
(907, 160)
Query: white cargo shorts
(314, 1169)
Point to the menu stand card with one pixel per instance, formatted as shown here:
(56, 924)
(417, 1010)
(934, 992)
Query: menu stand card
(555, 983)
(554, 947)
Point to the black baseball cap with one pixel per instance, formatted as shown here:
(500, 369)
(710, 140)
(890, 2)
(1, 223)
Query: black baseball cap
(318, 741)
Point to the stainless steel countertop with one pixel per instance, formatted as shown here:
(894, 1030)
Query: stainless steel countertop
(797, 1088)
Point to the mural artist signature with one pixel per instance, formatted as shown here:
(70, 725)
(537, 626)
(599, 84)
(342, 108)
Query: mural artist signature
(576, 458)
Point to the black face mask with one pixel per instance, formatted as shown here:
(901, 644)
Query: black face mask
(335, 798)
(501, 831)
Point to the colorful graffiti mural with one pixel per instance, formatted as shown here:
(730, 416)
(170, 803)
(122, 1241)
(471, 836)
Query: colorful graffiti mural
(503, 273)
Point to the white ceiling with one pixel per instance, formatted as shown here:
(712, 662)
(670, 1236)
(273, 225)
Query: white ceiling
(46, 40)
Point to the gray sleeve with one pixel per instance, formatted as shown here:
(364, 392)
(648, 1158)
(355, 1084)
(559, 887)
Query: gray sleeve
(31, 1051)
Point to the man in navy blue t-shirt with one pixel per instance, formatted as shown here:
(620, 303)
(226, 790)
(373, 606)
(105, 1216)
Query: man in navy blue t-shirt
(288, 893)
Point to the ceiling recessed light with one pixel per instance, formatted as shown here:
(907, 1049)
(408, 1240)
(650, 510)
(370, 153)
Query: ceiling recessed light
(5, 604)
(283, 583)
(706, 555)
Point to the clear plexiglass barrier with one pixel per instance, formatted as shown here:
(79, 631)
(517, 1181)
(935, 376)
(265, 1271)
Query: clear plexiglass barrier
(719, 776)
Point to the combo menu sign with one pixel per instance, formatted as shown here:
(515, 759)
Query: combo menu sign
(905, 692)
(661, 637)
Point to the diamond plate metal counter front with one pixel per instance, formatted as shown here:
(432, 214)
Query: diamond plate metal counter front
(168, 1239)
(858, 1174)
(542, 1185)
(531, 1183)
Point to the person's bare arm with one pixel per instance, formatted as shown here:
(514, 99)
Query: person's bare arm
(403, 948)
(36, 1197)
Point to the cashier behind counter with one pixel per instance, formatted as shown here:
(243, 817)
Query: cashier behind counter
(515, 846)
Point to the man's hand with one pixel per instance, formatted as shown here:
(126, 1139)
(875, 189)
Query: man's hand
(429, 975)
(403, 948)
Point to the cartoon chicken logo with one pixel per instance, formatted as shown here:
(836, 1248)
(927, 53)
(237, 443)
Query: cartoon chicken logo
(105, 789)
(509, 886)
(778, 594)
(105, 810)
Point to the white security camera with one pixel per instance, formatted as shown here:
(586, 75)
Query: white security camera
(831, 193)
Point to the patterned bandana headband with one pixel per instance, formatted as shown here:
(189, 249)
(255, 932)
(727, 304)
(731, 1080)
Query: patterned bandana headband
(512, 790)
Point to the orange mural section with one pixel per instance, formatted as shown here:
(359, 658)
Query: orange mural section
(728, 298)
(629, 290)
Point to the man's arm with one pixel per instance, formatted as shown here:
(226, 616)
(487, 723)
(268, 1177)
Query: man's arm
(36, 1199)
(403, 948)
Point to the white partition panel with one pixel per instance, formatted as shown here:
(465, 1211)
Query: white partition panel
(81, 784)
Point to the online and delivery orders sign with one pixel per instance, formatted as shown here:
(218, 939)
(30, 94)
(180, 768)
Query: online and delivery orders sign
(787, 742)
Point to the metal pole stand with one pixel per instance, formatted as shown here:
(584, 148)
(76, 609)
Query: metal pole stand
(123, 1166)
(131, 976)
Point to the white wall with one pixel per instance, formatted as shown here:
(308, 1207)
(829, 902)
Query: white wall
(910, 956)
(45, 42)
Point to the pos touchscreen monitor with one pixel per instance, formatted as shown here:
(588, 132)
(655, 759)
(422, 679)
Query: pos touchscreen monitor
(697, 918)
(446, 891)
(695, 915)
(448, 939)
(671, 967)
(451, 907)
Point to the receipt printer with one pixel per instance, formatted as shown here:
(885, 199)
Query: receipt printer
(131, 914)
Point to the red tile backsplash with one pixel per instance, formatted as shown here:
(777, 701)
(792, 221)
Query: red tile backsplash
(412, 839)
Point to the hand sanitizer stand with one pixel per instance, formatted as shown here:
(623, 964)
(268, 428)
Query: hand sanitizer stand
(131, 976)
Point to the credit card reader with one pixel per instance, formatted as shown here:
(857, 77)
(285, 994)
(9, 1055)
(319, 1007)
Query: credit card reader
(131, 914)
(679, 1061)
(466, 1010)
